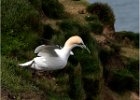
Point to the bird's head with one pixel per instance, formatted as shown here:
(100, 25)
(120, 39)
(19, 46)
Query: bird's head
(76, 41)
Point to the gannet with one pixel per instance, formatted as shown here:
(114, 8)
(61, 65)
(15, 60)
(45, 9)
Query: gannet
(54, 57)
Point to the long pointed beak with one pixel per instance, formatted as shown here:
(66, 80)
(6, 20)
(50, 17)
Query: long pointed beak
(84, 46)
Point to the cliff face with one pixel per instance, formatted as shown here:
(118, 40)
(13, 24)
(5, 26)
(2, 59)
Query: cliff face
(87, 76)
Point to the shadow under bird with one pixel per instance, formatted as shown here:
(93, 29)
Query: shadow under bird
(54, 57)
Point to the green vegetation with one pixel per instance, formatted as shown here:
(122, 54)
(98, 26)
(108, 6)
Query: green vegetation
(96, 27)
(103, 11)
(81, 79)
(130, 35)
(91, 18)
(18, 16)
(57, 11)
(122, 80)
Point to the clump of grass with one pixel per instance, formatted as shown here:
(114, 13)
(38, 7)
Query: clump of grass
(133, 66)
(105, 54)
(20, 43)
(122, 80)
(69, 26)
(103, 11)
(109, 51)
(48, 32)
(115, 47)
(58, 9)
(76, 90)
(130, 35)
(89, 86)
(96, 27)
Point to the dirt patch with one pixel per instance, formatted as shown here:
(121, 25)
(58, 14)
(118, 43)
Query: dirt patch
(5, 95)
(108, 94)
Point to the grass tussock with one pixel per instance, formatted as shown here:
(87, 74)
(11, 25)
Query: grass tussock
(126, 78)
(58, 9)
(103, 11)
(131, 37)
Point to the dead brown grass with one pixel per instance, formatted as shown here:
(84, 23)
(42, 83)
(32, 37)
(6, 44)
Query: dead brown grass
(130, 52)
(108, 94)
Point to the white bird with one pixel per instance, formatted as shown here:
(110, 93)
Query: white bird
(52, 57)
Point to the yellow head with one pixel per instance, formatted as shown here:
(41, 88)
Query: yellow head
(75, 41)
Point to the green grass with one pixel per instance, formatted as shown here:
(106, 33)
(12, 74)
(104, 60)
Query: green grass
(12, 79)
(18, 16)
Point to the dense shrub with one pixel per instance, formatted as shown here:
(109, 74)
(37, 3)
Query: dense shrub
(53, 9)
(103, 11)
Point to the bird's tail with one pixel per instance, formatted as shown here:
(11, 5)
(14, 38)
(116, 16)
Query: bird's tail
(27, 63)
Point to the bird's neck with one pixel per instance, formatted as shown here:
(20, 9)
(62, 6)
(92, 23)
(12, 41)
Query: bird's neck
(66, 51)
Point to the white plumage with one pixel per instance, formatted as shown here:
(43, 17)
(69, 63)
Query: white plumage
(54, 57)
